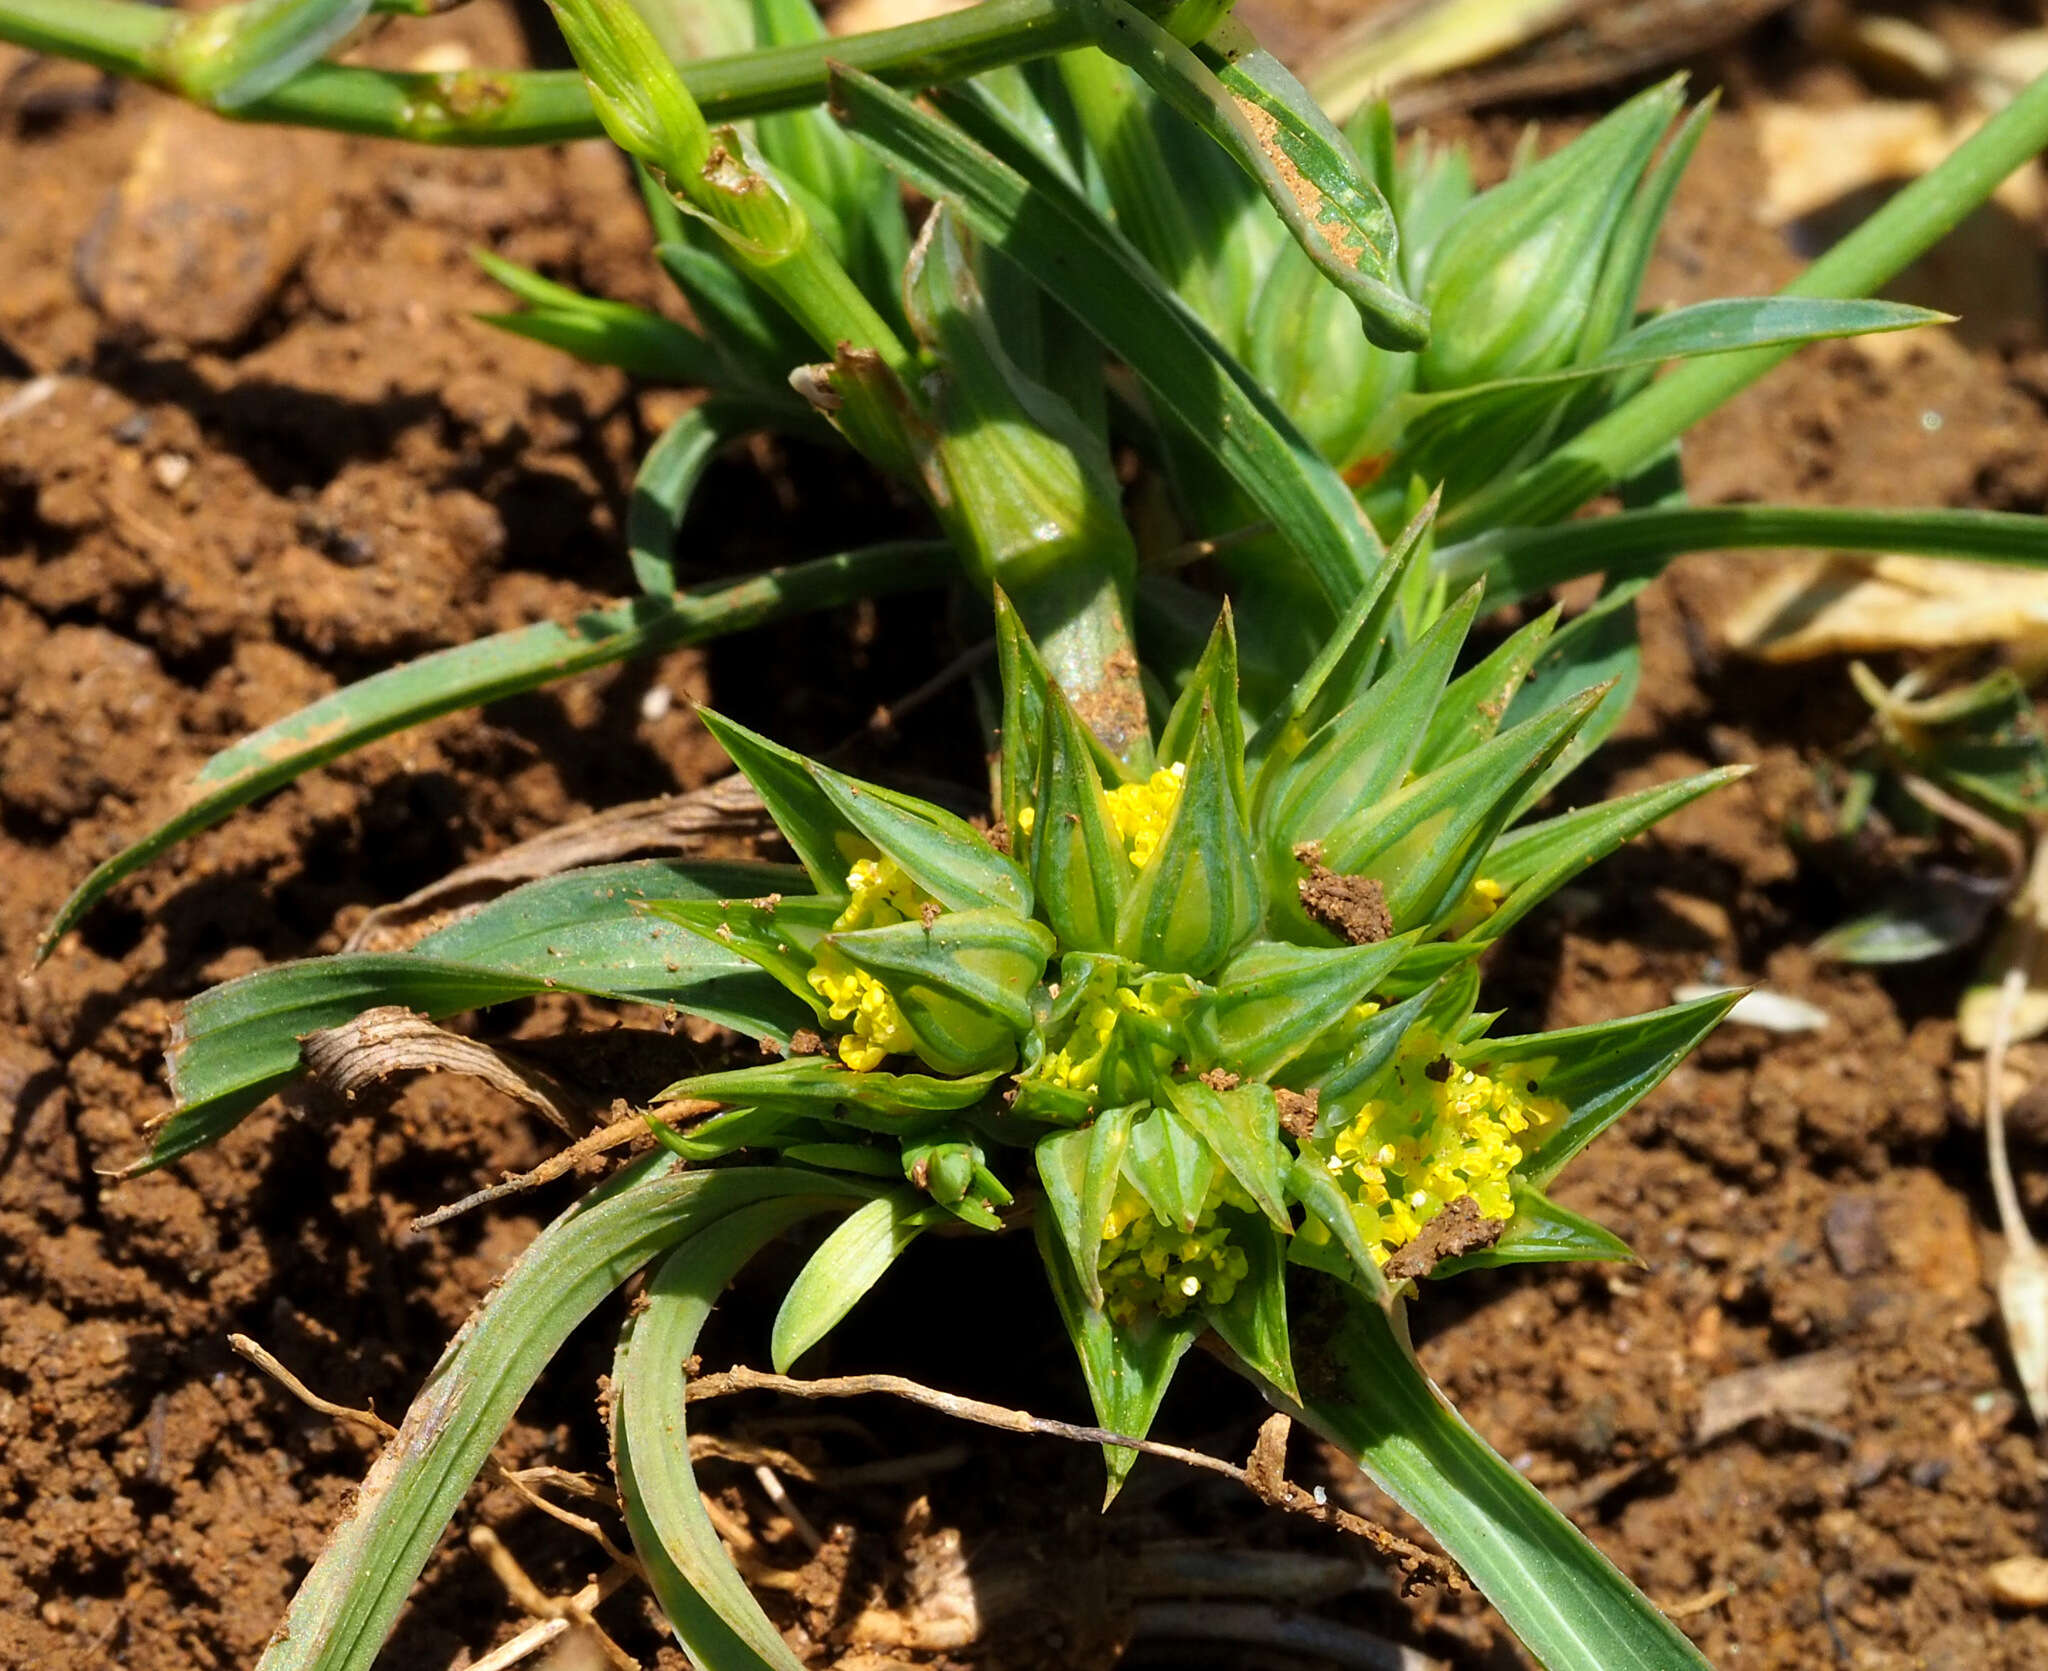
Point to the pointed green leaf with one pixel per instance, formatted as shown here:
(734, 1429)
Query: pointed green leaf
(798, 803)
(1350, 658)
(1535, 861)
(848, 1263)
(1599, 1072)
(1275, 1000)
(1127, 1367)
(1079, 1171)
(1600, 647)
(1542, 1232)
(1426, 844)
(942, 853)
(1242, 1128)
(1198, 898)
(1213, 686)
(1253, 1321)
(1362, 754)
(1078, 864)
(1475, 703)
(1562, 1598)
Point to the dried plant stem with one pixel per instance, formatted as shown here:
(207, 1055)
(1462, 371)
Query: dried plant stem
(619, 1132)
(1262, 1476)
(519, 1480)
(556, 1614)
(2023, 1279)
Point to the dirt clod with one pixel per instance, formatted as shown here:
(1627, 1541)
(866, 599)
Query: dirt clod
(1353, 908)
(1458, 1228)
(1297, 1111)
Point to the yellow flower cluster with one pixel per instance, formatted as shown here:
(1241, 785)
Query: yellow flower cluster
(1437, 1132)
(1140, 811)
(881, 894)
(1078, 1064)
(1148, 1265)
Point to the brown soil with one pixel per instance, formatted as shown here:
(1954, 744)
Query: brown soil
(217, 512)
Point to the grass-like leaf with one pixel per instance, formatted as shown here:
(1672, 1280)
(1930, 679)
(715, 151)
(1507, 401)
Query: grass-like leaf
(714, 1616)
(1515, 562)
(586, 931)
(346, 1606)
(1567, 1603)
(1723, 326)
(489, 669)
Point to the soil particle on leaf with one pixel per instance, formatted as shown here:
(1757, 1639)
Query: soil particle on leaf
(1459, 1228)
(1297, 1111)
(1353, 908)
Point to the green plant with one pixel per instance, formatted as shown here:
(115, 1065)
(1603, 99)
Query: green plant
(1198, 1025)
(1204, 1015)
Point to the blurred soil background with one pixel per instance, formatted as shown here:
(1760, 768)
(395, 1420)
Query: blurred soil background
(253, 445)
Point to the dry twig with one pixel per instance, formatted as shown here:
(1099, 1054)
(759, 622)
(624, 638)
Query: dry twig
(621, 1130)
(520, 1481)
(1264, 1476)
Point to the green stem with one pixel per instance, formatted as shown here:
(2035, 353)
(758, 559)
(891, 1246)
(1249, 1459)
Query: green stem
(538, 107)
(1514, 562)
(1624, 441)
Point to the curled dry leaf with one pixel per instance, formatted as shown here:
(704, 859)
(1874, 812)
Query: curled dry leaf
(1840, 604)
(1814, 1385)
(391, 1039)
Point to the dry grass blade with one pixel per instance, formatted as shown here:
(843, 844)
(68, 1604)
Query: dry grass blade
(391, 1039)
(1447, 55)
(682, 824)
(1263, 1475)
(2023, 1279)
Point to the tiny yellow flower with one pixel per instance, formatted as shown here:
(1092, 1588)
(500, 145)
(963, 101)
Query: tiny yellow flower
(1141, 811)
(880, 893)
(1437, 1132)
(1148, 1265)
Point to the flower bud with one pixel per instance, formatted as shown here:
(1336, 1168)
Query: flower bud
(1511, 283)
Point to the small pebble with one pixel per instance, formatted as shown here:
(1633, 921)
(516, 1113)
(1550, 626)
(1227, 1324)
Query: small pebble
(2021, 1581)
(132, 430)
(655, 704)
(170, 470)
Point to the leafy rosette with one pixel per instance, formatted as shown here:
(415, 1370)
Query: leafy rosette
(1200, 1018)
